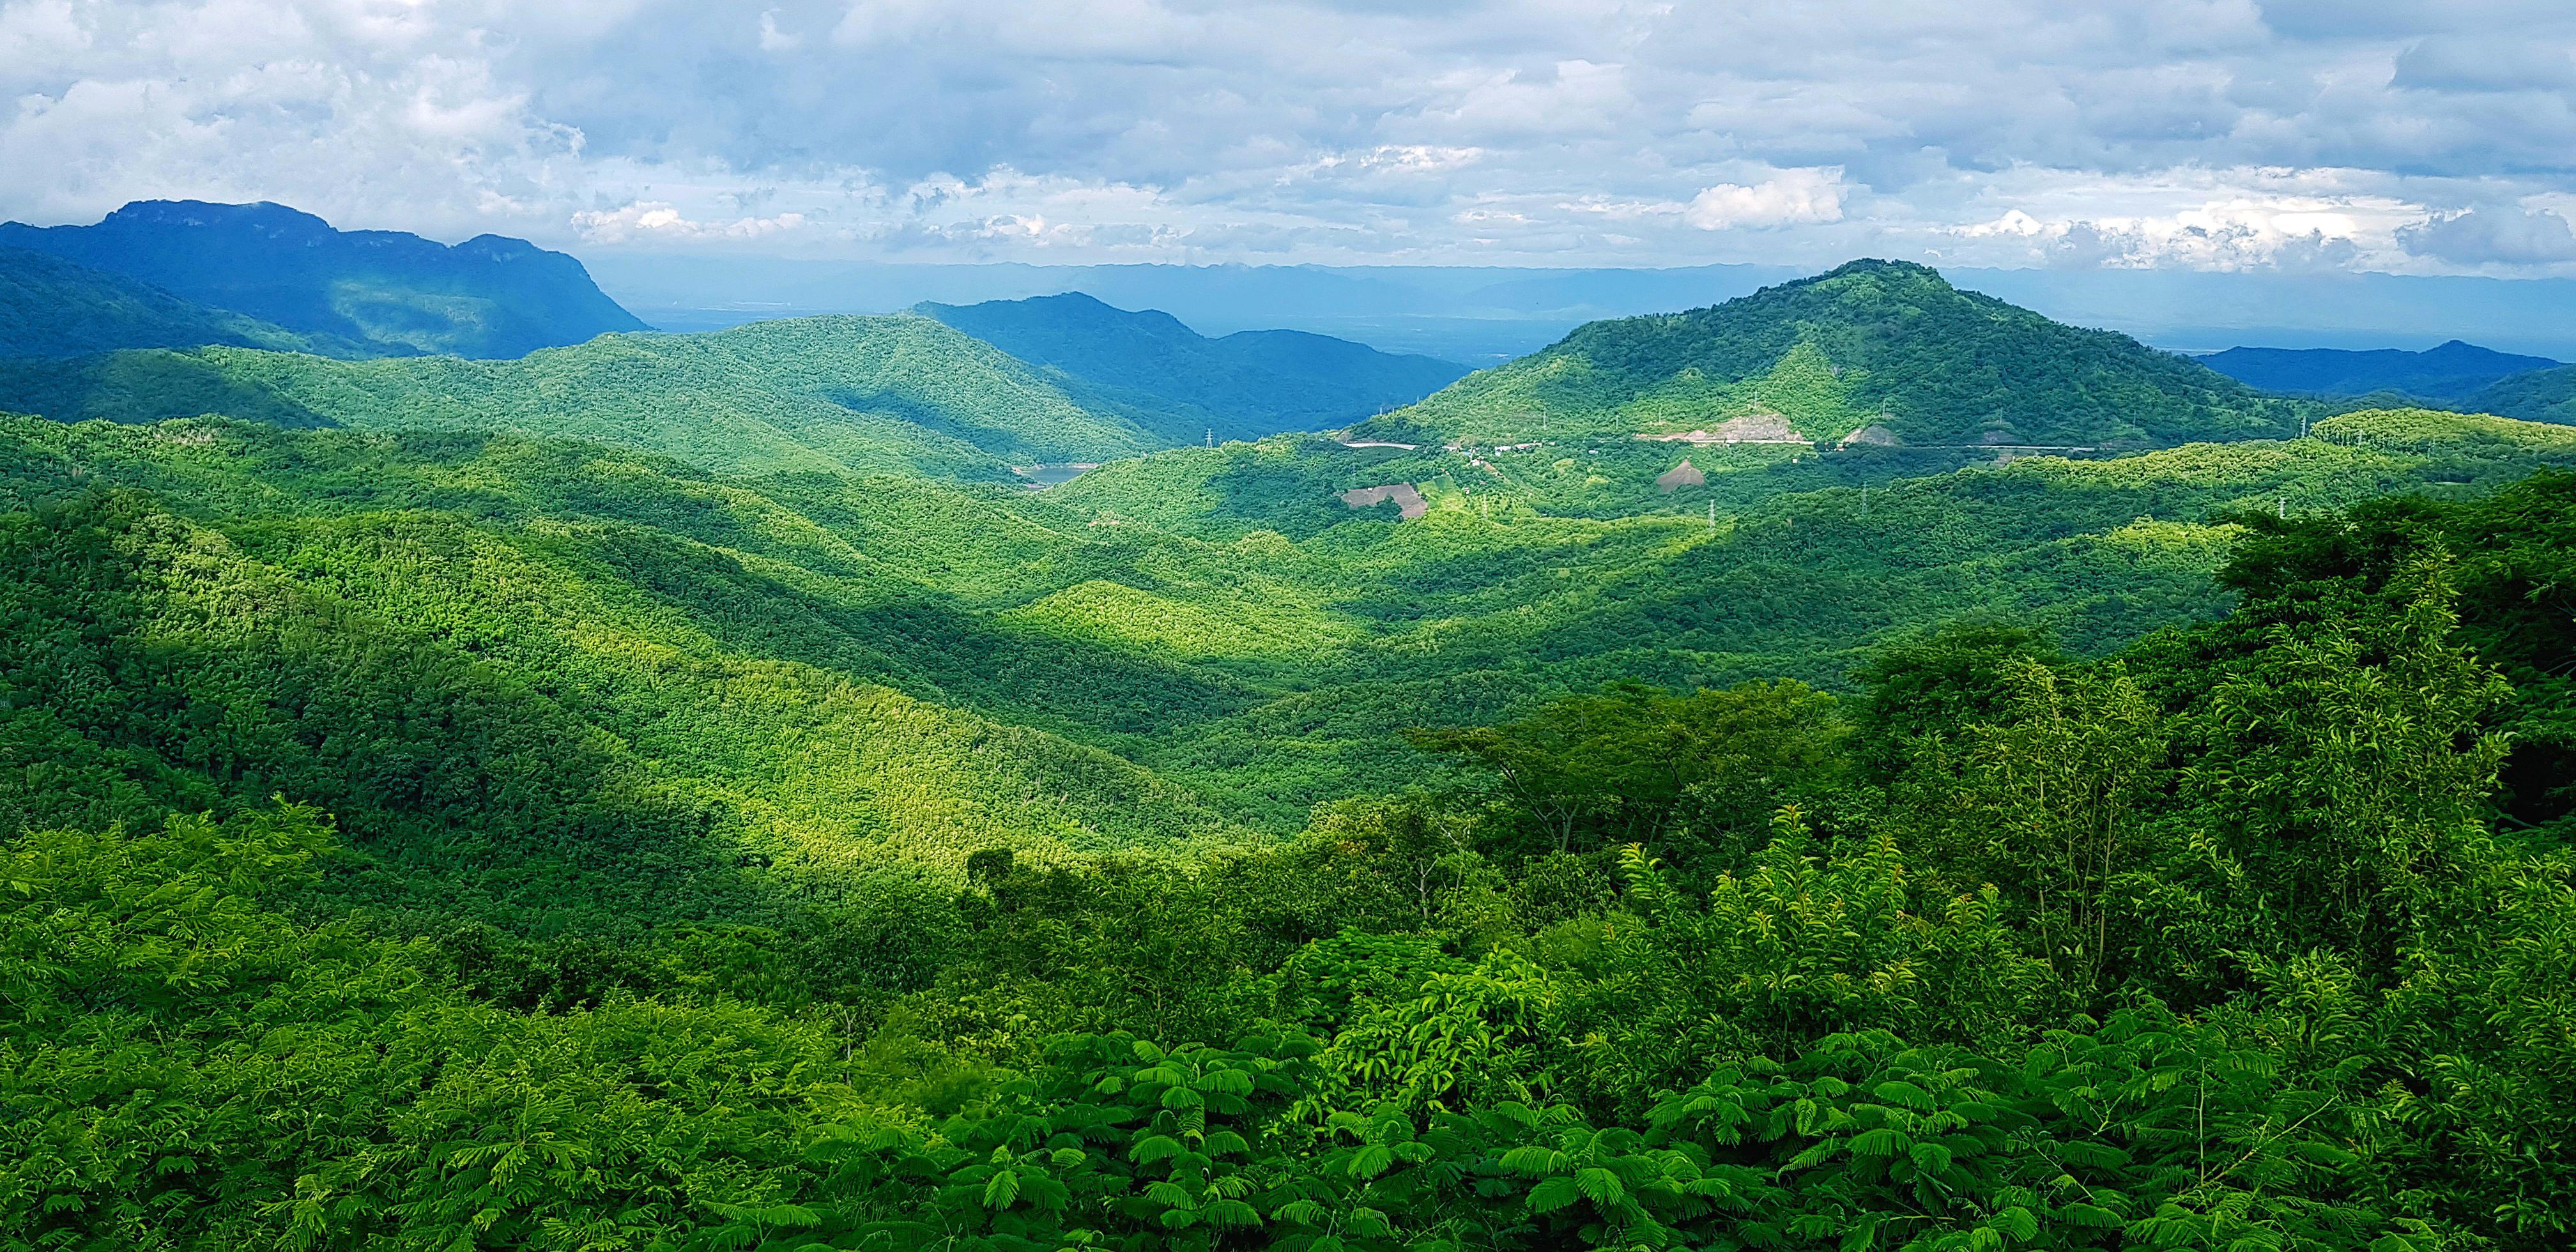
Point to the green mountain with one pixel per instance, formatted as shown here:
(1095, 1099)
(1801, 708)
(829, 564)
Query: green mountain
(2546, 395)
(673, 793)
(1180, 385)
(51, 307)
(842, 394)
(2454, 371)
(1878, 351)
(674, 859)
(384, 291)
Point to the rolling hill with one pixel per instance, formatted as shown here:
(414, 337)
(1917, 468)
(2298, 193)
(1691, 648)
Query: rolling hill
(2547, 395)
(51, 307)
(384, 292)
(2454, 371)
(840, 394)
(1878, 351)
(1177, 383)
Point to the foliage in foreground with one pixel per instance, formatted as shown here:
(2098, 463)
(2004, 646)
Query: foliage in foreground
(2215, 943)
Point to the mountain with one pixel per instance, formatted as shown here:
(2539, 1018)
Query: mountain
(2450, 372)
(387, 291)
(842, 394)
(51, 307)
(1882, 351)
(1179, 384)
(2545, 395)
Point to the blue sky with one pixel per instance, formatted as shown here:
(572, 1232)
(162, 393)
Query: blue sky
(2402, 135)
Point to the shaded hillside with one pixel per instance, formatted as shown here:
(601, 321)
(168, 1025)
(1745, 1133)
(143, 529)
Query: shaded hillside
(51, 307)
(2453, 371)
(1179, 384)
(2538, 395)
(843, 394)
(387, 291)
(1882, 347)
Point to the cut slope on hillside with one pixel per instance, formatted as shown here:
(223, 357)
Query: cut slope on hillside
(1180, 384)
(2453, 371)
(844, 394)
(52, 307)
(385, 291)
(1884, 344)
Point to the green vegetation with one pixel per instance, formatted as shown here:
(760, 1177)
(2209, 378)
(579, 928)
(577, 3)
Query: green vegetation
(51, 307)
(846, 394)
(1171, 380)
(1881, 344)
(2543, 395)
(671, 794)
(2213, 943)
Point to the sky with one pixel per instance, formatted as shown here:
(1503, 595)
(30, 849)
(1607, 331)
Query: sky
(2399, 136)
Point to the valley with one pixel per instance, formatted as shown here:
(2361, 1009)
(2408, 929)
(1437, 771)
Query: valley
(1859, 756)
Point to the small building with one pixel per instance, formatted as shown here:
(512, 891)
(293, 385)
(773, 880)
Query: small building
(1680, 476)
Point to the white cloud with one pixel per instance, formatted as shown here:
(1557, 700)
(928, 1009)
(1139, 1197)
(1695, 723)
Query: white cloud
(1791, 197)
(774, 40)
(659, 221)
(2211, 133)
(2505, 236)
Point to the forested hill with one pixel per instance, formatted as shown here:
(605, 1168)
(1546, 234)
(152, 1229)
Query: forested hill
(839, 394)
(1180, 384)
(2537, 395)
(51, 307)
(1878, 350)
(386, 291)
(2454, 371)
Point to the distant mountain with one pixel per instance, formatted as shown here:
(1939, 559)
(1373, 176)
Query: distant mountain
(51, 307)
(1179, 384)
(388, 292)
(862, 395)
(2546, 395)
(2449, 372)
(1879, 351)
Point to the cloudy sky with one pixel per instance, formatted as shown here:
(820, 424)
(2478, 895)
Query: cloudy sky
(2410, 136)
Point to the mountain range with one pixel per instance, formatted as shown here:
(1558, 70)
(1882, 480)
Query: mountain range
(2452, 371)
(1879, 351)
(686, 791)
(367, 292)
(1179, 384)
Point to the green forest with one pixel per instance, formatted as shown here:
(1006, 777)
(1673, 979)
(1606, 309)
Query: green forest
(683, 792)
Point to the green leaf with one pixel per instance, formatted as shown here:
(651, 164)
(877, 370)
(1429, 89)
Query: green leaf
(1600, 1185)
(1002, 1188)
(1864, 1234)
(1882, 1142)
(1553, 1194)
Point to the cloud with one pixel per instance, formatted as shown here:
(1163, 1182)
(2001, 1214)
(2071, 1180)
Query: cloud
(2188, 133)
(1792, 197)
(2479, 237)
(2246, 231)
(658, 221)
(773, 39)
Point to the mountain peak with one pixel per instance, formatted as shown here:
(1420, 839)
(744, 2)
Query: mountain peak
(267, 217)
(1868, 345)
(375, 292)
(1877, 265)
